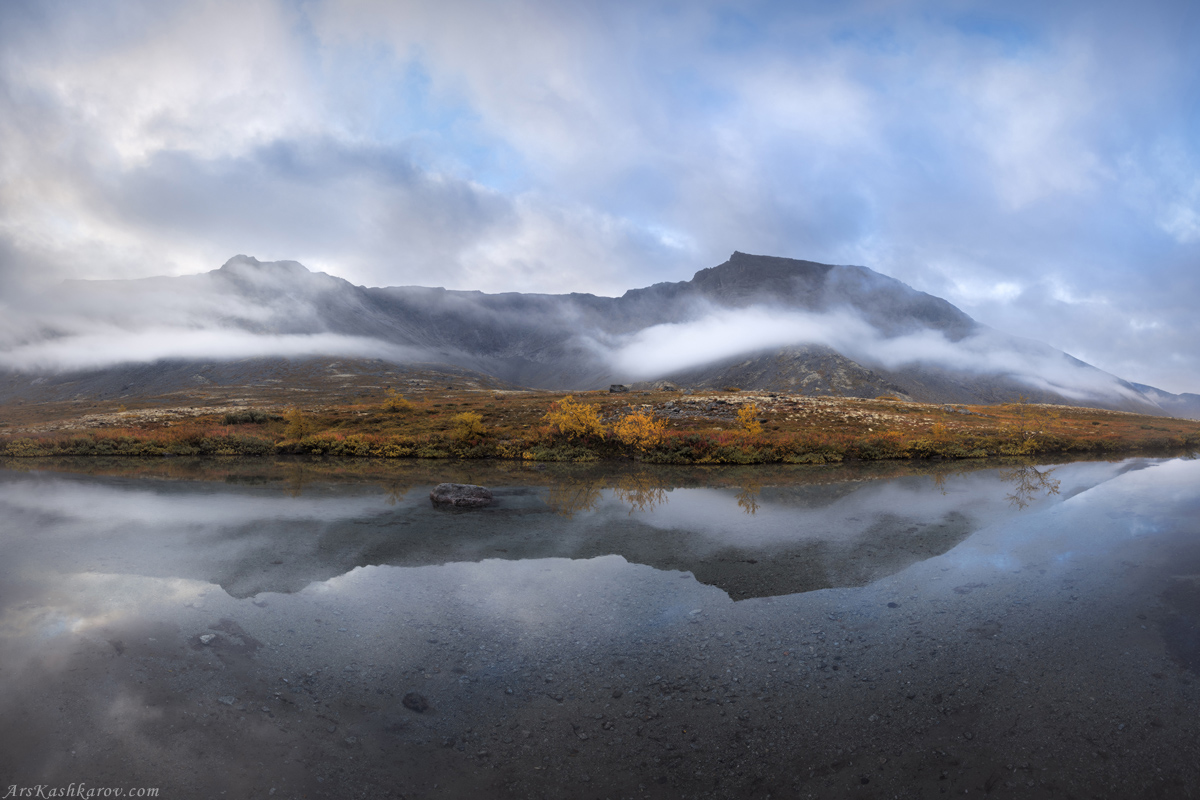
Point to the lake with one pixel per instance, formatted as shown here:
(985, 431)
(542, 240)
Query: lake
(318, 629)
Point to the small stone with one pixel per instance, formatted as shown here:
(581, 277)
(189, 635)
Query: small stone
(207, 638)
(227, 700)
(415, 702)
(617, 694)
(893, 605)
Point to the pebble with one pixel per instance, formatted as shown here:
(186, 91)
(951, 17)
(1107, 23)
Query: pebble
(207, 638)
(415, 702)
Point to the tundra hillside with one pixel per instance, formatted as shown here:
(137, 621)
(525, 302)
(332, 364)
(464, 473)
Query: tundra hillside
(727, 427)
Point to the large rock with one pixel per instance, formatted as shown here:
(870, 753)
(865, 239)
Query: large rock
(463, 495)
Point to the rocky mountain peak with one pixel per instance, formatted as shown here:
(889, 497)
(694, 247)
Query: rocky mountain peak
(249, 266)
(745, 274)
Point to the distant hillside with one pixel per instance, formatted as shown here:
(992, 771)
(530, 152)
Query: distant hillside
(1186, 405)
(757, 322)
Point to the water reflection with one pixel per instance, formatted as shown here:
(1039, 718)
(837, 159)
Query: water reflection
(1029, 483)
(754, 534)
(237, 635)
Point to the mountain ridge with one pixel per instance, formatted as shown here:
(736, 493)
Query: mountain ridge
(759, 322)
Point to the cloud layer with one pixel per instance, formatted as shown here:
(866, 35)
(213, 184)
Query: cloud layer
(729, 333)
(1036, 165)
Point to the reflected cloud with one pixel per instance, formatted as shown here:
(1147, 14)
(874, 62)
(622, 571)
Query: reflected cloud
(753, 533)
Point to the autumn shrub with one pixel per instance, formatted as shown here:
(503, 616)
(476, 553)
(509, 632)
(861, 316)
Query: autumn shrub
(249, 416)
(393, 403)
(574, 421)
(468, 425)
(559, 452)
(298, 426)
(889, 444)
(639, 430)
(747, 417)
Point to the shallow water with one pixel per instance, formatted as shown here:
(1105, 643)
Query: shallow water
(1022, 631)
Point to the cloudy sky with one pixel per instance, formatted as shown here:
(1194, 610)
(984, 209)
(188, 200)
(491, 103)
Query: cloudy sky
(1037, 164)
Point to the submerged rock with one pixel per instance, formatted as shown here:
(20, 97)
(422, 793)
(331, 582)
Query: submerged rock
(462, 495)
(415, 702)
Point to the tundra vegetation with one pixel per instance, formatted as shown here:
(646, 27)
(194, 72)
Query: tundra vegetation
(655, 428)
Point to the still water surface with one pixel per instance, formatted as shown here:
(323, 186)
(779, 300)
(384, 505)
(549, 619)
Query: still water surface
(279, 629)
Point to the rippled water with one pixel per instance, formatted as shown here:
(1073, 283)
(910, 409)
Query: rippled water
(1023, 630)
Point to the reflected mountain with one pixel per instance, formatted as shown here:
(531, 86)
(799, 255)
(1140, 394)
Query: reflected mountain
(279, 531)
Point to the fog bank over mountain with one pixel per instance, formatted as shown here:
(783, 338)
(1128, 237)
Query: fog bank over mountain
(758, 322)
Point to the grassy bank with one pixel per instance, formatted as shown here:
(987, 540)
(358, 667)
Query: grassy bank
(657, 428)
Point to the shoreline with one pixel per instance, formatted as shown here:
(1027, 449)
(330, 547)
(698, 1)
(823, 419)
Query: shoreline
(725, 428)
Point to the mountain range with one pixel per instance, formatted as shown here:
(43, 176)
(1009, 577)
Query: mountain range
(755, 322)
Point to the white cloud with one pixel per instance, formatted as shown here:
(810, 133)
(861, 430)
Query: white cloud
(718, 334)
(100, 349)
(213, 79)
(553, 144)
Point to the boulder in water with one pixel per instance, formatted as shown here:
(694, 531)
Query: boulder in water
(461, 495)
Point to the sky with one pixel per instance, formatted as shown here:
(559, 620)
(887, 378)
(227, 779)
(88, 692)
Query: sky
(1036, 164)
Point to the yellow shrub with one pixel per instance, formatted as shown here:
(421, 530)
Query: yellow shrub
(747, 417)
(297, 426)
(572, 420)
(640, 430)
(24, 448)
(396, 404)
(468, 425)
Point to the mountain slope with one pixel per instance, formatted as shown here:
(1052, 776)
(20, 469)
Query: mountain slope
(759, 322)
